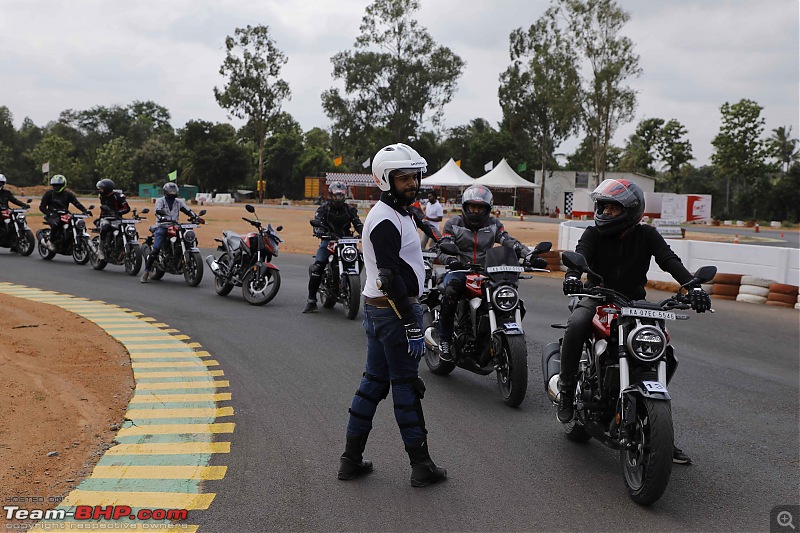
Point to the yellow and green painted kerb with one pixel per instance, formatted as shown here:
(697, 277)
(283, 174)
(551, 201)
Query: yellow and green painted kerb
(175, 422)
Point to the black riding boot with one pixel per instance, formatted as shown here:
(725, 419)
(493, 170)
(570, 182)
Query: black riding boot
(566, 399)
(352, 464)
(423, 470)
(447, 314)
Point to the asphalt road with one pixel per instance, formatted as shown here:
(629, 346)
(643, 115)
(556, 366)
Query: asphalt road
(735, 404)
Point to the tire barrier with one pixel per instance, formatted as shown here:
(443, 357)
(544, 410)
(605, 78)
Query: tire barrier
(756, 281)
(723, 289)
(781, 304)
(789, 299)
(751, 298)
(728, 279)
(553, 258)
(782, 288)
(755, 290)
(708, 287)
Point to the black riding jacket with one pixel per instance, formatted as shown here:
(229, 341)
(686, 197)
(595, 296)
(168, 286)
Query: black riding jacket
(118, 204)
(7, 197)
(59, 201)
(339, 219)
(623, 261)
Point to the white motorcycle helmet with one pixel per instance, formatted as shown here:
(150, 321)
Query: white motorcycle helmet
(394, 157)
(2, 181)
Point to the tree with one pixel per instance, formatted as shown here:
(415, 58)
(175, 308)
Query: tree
(540, 89)
(740, 151)
(115, 162)
(59, 153)
(594, 26)
(639, 152)
(783, 148)
(397, 78)
(213, 157)
(673, 150)
(254, 91)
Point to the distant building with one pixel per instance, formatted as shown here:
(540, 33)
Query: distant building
(569, 191)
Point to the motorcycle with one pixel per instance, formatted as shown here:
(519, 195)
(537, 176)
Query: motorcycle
(179, 253)
(341, 281)
(14, 231)
(123, 247)
(487, 333)
(73, 239)
(246, 262)
(621, 397)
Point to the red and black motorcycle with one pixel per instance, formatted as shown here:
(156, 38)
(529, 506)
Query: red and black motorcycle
(246, 262)
(71, 238)
(179, 253)
(621, 396)
(487, 333)
(14, 231)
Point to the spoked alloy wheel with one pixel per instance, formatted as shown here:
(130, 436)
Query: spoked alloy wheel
(220, 286)
(647, 465)
(26, 244)
(96, 262)
(260, 290)
(133, 260)
(512, 376)
(44, 251)
(352, 298)
(80, 251)
(193, 269)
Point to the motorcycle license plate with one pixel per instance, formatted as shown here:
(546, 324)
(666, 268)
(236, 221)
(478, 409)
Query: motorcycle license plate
(430, 255)
(505, 268)
(349, 241)
(189, 226)
(648, 313)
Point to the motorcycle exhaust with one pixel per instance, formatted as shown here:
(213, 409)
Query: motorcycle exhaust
(212, 264)
(429, 340)
(551, 366)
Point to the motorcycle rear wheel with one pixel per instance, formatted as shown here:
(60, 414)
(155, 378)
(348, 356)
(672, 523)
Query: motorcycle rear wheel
(260, 291)
(435, 364)
(222, 288)
(80, 252)
(96, 262)
(513, 378)
(133, 260)
(193, 269)
(352, 299)
(647, 466)
(26, 244)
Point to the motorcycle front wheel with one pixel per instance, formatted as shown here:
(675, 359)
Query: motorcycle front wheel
(26, 244)
(133, 260)
(435, 364)
(80, 251)
(647, 464)
(512, 376)
(193, 269)
(96, 262)
(260, 290)
(222, 288)
(44, 251)
(352, 298)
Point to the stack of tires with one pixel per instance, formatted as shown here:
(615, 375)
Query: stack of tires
(782, 295)
(753, 290)
(553, 258)
(726, 286)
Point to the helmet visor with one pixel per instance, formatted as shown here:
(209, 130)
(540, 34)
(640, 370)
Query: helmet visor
(614, 191)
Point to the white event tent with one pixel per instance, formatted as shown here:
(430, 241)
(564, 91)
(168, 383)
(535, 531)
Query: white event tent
(449, 175)
(503, 177)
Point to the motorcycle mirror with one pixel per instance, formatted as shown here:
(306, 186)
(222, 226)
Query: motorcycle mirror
(30, 200)
(279, 228)
(145, 210)
(316, 223)
(704, 274)
(250, 208)
(449, 248)
(202, 212)
(574, 260)
(91, 206)
(543, 247)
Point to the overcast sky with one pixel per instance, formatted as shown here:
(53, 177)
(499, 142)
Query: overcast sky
(695, 55)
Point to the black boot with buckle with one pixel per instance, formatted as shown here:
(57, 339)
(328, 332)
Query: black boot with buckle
(423, 470)
(566, 399)
(352, 463)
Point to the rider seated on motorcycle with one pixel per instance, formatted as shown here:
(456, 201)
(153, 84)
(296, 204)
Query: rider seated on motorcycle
(7, 197)
(619, 249)
(474, 231)
(57, 199)
(337, 217)
(112, 206)
(173, 206)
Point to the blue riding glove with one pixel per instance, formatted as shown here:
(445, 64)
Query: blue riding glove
(573, 286)
(416, 340)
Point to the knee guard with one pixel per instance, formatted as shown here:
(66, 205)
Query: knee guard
(454, 290)
(407, 393)
(369, 394)
(315, 270)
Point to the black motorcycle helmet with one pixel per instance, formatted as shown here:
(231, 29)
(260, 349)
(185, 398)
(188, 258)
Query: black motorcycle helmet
(106, 187)
(337, 192)
(477, 195)
(58, 182)
(171, 189)
(624, 193)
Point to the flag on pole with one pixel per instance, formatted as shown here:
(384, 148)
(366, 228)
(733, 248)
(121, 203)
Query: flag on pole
(173, 176)
(488, 166)
(337, 161)
(458, 163)
(366, 163)
(522, 167)
(46, 168)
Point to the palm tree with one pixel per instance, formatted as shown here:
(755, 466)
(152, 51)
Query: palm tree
(783, 147)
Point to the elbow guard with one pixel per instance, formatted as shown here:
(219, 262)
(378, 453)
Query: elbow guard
(385, 280)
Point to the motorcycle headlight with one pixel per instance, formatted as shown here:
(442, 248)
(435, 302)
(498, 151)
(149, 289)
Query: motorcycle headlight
(80, 224)
(505, 298)
(130, 231)
(190, 236)
(21, 217)
(349, 254)
(647, 343)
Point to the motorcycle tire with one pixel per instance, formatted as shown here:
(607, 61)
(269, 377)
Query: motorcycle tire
(97, 263)
(222, 288)
(155, 274)
(352, 299)
(513, 380)
(647, 466)
(435, 364)
(44, 251)
(133, 260)
(193, 269)
(260, 292)
(325, 294)
(81, 252)
(26, 244)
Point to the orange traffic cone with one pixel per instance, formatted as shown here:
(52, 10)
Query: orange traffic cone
(521, 217)
(736, 239)
(756, 227)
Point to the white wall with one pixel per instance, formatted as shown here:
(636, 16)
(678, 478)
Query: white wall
(778, 264)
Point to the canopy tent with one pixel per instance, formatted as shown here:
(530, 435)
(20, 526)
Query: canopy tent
(449, 175)
(503, 177)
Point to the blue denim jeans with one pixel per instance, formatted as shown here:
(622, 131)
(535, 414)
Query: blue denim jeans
(389, 366)
(158, 237)
(322, 252)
